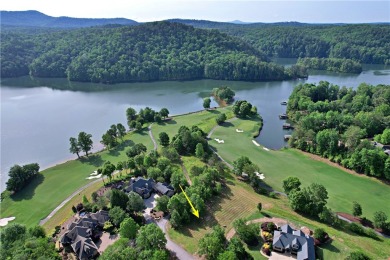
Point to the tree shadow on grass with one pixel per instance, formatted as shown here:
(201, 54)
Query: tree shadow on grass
(124, 144)
(330, 247)
(227, 124)
(28, 192)
(94, 159)
(214, 111)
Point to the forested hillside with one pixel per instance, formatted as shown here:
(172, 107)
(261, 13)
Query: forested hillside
(367, 43)
(336, 123)
(331, 64)
(153, 51)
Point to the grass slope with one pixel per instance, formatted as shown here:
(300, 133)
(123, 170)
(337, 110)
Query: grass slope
(343, 188)
(55, 184)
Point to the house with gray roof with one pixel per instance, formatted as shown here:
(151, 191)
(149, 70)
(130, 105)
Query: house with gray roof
(164, 189)
(145, 187)
(80, 233)
(293, 242)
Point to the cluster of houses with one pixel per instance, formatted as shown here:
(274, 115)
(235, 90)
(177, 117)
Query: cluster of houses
(82, 234)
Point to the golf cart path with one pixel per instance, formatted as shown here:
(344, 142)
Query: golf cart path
(152, 137)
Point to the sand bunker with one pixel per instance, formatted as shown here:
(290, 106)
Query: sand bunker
(265, 148)
(4, 221)
(256, 143)
(94, 177)
(94, 173)
(260, 175)
(219, 141)
(239, 131)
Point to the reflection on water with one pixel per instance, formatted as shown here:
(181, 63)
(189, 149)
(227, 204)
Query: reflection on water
(39, 115)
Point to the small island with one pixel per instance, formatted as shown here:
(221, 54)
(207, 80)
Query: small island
(331, 64)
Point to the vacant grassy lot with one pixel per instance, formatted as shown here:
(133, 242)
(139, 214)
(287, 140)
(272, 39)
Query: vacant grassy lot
(55, 184)
(343, 188)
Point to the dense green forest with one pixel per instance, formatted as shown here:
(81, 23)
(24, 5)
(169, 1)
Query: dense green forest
(367, 43)
(331, 64)
(152, 51)
(337, 123)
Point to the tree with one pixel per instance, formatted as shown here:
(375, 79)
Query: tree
(310, 200)
(119, 199)
(356, 209)
(94, 196)
(138, 126)
(227, 255)
(108, 140)
(178, 179)
(164, 112)
(206, 103)
(236, 246)
(128, 228)
(108, 169)
(12, 233)
(259, 206)
(380, 219)
(320, 234)
(385, 138)
(74, 146)
(247, 232)
(85, 142)
(239, 164)
(213, 244)
(20, 176)
(221, 118)
(199, 151)
(291, 183)
(121, 130)
(164, 139)
(151, 237)
(130, 114)
(135, 203)
(37, 231)
(117, 215)
(162, 203)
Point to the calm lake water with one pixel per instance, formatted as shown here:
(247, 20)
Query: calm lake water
(38, 116)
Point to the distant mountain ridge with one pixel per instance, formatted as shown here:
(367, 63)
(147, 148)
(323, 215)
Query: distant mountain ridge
(38, 19)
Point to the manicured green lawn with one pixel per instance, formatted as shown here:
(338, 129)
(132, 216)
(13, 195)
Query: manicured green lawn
(50, 188)
(205, 120)
(343, 188)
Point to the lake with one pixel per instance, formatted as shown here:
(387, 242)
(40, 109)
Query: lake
(38, 116)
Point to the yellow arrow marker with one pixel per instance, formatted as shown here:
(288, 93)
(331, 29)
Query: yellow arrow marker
(194, 211)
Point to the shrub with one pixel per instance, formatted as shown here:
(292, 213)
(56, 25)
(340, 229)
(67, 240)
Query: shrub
(371, 233)
(108, 226)
(321, 235)
(356, 228)
(357, 255)
(259, 206)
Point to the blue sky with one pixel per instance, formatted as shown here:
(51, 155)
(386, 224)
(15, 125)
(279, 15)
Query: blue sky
(313, 11)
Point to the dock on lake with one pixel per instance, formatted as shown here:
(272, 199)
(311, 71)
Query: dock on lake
(283, 116)
(287, 137)
(287, 126)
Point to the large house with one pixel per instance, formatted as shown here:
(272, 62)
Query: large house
(293, 242)
(145, 187)
(80, 233)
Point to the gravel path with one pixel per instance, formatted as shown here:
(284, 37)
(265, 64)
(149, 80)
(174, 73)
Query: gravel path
(180, 252)
(277, 221)
(152, 137)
